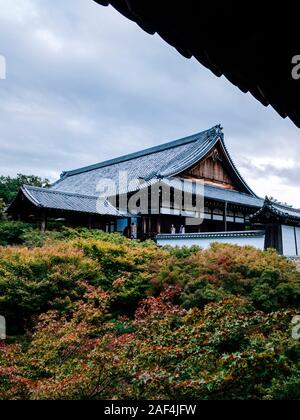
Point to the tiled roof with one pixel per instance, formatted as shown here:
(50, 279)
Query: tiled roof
(278, 210)
(212, 235)
(45, 198)
(217, 193)
(166, 160)
(231, 196)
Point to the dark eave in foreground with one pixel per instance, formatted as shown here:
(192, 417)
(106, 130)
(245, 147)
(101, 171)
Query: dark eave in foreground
(252, 44)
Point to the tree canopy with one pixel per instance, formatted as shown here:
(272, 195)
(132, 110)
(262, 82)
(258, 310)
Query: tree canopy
(9, 186)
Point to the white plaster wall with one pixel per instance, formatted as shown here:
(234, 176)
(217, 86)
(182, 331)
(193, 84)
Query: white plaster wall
(288, 241)
(257, 242)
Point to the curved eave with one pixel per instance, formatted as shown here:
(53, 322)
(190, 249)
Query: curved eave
(268, 208)
(235, 170)
(25, 193)
(30, 197)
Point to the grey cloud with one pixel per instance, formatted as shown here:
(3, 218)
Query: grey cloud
(290, 176)
(85, 84)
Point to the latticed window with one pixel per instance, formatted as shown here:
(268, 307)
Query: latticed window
(218, 214)
(207, 213)
(230, 216)
(239, 217)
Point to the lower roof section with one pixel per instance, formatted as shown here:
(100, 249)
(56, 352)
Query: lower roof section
(57, 200)
(214, 193)
(231, 196)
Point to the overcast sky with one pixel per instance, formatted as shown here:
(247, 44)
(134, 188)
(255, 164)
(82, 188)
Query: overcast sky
(84, 84)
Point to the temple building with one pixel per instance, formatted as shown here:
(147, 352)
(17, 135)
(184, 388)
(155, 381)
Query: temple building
(160, 198)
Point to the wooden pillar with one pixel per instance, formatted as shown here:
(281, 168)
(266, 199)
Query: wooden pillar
(225, 216)
(128, 230)
(90, 221)
(43, 221)
(296, 245)
(144, 226)
(158, 225)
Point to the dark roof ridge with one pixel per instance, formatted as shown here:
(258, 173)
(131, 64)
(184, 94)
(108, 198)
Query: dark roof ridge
(217, 129)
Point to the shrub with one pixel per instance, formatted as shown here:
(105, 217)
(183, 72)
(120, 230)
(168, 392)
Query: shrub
(109, 318)
(34, 280)
(224, 351)
(2, 207)
(269, 279)
(11, 233)
(127, 267)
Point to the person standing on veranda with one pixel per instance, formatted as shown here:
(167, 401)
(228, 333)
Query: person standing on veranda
(133, 231)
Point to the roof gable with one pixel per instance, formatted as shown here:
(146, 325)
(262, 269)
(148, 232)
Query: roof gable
(211, 170)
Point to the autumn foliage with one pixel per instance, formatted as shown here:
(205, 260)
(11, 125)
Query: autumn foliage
(95, 316)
